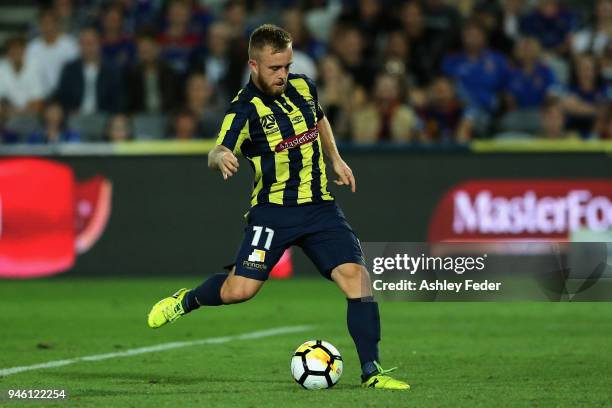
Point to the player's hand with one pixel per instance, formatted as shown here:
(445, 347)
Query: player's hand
(345, 175)
(227, 164)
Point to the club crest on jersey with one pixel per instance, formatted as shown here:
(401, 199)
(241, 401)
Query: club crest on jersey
(268, 122)
(298, 140)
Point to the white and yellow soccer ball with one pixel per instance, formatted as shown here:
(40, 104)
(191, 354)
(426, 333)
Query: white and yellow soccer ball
(316, 364)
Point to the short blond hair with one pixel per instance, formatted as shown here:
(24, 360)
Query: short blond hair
(268, 35)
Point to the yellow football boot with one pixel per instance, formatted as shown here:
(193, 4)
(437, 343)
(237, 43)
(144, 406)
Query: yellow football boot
(383, 381)
(167, 310)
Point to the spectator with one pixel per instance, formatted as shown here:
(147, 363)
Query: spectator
(444, 118)
(50, 51)
(138, 14)
(410, 41)
(368, 17)
(19, 81)
(66, 15)
(603, 128)
(118, 129)
(479, 75)
(443, 19)
(177, 41)
(585, 95)
(90, 84)
(152, 84)
(117, 47)
(7, 136)
(215, 60)
(293, 21)
(605, 64)
(184, 126)
(551, 24)
(594, 39)
(234, 17)
(512, 12)
(530, 82)
(348, 45)
(320, 17)
(553, 121)
(199, 102)
(426, 47)
(303, 63)
(334, 88)
(490, 15)
(201, 18)
(252, 14)
(54, 129)
(386, 117)
(396, 51)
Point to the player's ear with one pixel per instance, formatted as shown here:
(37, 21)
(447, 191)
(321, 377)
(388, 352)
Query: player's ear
(253, 66)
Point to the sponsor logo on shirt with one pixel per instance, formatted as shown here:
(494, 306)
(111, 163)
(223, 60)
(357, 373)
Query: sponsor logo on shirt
(298, 140)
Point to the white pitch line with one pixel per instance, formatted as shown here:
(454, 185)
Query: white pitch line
(160, 347)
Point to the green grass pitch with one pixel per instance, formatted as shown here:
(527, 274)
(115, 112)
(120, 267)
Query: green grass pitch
(453, 354)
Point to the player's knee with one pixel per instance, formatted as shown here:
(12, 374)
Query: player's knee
(349, 275)
(352, 279)
(350, 272)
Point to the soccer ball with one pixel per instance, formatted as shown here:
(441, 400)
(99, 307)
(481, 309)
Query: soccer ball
(316, 364)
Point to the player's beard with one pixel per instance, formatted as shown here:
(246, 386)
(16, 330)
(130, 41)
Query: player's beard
(270, 90)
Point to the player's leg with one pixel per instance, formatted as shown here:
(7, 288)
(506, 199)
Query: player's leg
(217, 290)
(260, 250)
(222, 289)
(363, 321)
(336, 252)
(362, 316)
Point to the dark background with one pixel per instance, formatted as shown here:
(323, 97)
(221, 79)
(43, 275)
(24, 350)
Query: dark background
(171, 215)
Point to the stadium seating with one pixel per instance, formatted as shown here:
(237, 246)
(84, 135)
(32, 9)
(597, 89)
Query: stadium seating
(149, 127)
(90, 127)
(23, 124)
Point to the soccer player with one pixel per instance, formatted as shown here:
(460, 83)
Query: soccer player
(277, 124)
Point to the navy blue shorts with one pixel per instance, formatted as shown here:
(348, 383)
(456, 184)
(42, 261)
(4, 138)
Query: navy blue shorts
(320, 229)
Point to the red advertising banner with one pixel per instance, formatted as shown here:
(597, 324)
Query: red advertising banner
(521, 210)
(46, 217)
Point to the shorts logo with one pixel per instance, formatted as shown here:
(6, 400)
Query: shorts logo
(298, 140)
(258, 255)
(255, 266)
(268, 122)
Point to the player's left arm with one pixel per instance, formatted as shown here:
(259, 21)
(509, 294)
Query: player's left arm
(342, 170)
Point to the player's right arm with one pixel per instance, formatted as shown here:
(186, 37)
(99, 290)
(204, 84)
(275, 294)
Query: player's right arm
(223, 159)
(234, 131)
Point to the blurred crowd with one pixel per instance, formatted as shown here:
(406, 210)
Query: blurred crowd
(429, 71)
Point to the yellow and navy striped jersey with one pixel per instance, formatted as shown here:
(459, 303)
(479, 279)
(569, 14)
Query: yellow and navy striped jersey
(279, 137)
